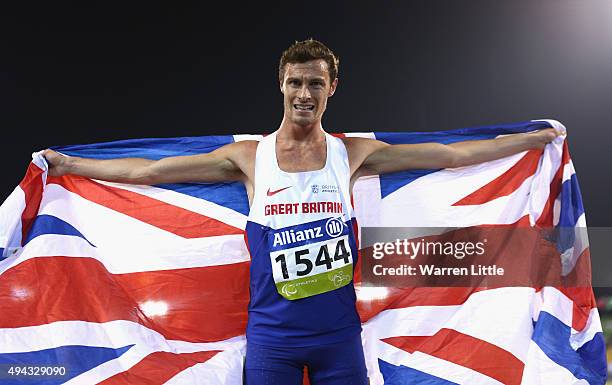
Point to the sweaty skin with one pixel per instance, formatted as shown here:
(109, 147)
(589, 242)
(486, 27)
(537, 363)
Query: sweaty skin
(300, 146)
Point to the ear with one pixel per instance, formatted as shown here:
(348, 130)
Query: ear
(332, 88)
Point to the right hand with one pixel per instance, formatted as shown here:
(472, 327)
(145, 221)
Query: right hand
(542, 137)
(58, 163)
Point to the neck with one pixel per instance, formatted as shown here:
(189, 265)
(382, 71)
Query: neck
(291, 131)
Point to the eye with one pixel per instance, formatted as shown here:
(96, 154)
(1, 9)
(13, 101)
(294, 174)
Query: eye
(293, 82)
(317, 84)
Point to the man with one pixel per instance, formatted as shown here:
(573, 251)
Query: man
(300, 228)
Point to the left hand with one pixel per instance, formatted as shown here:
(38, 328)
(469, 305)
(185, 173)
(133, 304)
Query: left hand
(544, 136)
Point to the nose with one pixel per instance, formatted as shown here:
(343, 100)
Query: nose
(304, 92)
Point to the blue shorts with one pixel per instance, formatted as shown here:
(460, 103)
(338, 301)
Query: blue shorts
(334, 364)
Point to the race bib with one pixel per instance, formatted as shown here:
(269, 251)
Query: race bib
(311, 259)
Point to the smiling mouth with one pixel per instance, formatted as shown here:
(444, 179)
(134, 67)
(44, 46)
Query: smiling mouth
(304, 107)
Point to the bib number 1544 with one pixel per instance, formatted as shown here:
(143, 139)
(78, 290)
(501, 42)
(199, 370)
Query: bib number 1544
(312, 258)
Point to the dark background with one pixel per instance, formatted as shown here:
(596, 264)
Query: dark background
(90, 73)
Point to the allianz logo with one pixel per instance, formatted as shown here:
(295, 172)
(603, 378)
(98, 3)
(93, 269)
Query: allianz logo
(287, 237)
(334, 227)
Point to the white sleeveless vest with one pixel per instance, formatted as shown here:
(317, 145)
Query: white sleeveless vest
(300, 233)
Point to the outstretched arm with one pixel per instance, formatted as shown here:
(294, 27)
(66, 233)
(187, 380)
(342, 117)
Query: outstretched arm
(383, 158)
(223, 164)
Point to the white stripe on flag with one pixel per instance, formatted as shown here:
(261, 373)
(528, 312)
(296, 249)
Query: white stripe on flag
(225, 368)
(112, 334)
(10, 220)
(188, 202)
(541, 370)
(201, 252)
(593, 326)
(504, 319)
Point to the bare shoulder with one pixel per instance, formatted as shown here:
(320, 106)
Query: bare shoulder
(242, 148)
(358, 149)
(242, 154)
(354, 143)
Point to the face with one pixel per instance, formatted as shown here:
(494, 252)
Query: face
(306, 87)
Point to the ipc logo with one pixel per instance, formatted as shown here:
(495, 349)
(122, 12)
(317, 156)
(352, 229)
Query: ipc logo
(289, 289)
(334, 227)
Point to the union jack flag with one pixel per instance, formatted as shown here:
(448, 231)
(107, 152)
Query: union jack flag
(124, 284)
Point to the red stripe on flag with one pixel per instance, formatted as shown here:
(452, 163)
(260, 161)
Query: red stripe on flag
(546, 217)
(174, 219)
(158, 367)
(398, 298)
(47, 289)
(584, 301)
(581, 294)
(506, 183)
(407, 343)
(196, 312)
(465, 350)
(32, 186)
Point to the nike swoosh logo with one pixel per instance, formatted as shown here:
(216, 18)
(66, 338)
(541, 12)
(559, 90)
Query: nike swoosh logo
(270, 193)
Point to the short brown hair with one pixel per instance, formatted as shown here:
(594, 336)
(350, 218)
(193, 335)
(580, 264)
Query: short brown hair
(303, 51)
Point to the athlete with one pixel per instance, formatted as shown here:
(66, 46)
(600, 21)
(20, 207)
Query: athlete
(300, 227)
